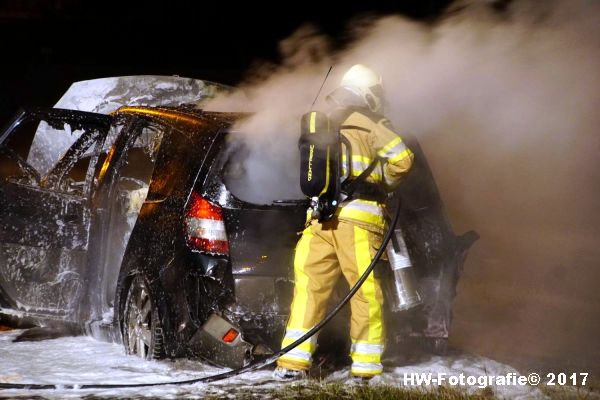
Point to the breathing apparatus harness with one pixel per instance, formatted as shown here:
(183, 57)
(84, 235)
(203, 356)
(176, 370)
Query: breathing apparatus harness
(321, 145)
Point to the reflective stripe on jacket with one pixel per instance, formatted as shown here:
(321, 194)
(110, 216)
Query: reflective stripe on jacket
(370, 136)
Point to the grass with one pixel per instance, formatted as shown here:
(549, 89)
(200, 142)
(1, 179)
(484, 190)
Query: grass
(316, 391)
(345, 392)
(323, 391)
(590, 391)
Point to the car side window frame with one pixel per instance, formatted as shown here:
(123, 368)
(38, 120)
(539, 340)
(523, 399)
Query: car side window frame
(92, 126)
(54, 179)
(132, 128)
(10, 129)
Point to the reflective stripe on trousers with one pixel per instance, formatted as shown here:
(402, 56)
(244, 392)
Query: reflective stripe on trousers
(302, 354)
(323, 253)
(366, 358)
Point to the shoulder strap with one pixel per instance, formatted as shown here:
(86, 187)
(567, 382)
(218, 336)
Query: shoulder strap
(359, 128)
(348, 187)
(338, 116)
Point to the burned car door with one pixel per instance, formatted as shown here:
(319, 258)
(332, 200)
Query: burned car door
(121, 183)
(44, 217)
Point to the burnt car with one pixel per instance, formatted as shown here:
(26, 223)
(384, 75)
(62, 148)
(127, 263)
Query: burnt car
(135, 235)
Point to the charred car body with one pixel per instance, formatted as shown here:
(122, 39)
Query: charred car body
(135, 235)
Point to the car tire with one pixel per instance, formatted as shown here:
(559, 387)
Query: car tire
(142, 329)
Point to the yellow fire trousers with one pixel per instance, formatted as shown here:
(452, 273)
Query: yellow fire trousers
(323, 253)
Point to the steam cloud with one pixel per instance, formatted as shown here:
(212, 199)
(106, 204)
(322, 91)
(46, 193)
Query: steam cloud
(506, 106)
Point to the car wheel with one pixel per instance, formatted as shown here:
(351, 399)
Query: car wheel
(142, 330)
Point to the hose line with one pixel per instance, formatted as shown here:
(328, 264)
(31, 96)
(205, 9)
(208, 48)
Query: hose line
(248, 368)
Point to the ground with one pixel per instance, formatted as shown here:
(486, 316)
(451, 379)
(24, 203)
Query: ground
(78, 360)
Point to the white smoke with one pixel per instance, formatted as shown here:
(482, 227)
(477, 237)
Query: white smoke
(505, 105)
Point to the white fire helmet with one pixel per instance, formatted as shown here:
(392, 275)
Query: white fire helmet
(363, 83)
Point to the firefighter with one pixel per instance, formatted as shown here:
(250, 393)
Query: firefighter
(346, 244)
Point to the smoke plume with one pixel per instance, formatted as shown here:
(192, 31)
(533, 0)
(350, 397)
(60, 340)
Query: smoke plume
(505, 104)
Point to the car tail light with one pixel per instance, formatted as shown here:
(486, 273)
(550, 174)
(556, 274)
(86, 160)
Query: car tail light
(230, 336)
(205, 226)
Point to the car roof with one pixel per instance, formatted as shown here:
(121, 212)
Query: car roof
(183, 117)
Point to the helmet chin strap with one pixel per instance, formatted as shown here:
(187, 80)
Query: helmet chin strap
(371, 102)
(374, 97)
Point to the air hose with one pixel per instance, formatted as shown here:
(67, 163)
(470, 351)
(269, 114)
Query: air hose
(248, 368)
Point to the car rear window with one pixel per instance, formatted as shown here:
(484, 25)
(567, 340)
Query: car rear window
(257, 177)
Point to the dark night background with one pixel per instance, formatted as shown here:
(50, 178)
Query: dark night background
(48, 44)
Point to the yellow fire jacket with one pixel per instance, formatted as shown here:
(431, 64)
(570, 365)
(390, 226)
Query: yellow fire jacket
(371, 136)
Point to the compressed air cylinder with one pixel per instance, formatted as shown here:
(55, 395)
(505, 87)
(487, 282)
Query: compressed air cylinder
(405, 294)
